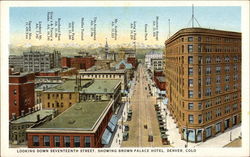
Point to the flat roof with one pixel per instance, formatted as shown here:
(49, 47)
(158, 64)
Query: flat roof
(67, 86)
(80, 116)
(161, 78)
(103, 71)
(101, 86)
(32, 117)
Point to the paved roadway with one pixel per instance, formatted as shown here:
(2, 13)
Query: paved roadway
(142, 106)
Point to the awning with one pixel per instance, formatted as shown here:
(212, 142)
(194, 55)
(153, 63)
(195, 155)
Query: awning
(163, 92)
(114, 120)
(165, 101)
(106, 137)
(111, 126)
(124, 91)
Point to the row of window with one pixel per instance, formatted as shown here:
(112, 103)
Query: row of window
(208, 70)
(57, 96)
(57, 104)
(66, 141)
(208, 115)
(208, 59)
(208, 103)
(102, 76)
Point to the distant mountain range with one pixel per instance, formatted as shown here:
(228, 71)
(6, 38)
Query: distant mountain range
(73, 48)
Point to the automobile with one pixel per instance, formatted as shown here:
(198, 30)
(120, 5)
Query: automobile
(150, 138)
(126, 127)
(125, 136)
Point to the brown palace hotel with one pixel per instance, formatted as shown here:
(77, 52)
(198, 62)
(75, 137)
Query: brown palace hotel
(203, 72)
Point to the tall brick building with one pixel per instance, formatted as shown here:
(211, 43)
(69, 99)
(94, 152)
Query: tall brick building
(203, 73)
(21, 93)
(78, 62)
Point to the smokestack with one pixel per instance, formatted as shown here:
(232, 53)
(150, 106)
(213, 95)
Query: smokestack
(38, 117)
(22, 113)
(13, 116)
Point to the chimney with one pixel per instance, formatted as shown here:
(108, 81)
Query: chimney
(22, 113)
(13, 116)
(38, 117)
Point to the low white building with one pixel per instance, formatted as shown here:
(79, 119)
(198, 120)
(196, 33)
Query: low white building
(151, 56)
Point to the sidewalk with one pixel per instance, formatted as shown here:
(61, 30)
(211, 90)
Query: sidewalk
(219, 140)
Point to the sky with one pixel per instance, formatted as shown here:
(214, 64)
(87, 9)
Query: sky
(222, 18)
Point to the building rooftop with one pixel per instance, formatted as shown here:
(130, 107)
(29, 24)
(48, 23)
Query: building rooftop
(67, 86)
(80, 116)
(161, 78)
(101, 86)
(88, 86)
(52, 70)
(32, 117)
(127, 65)
(46, 86)
(103, 71)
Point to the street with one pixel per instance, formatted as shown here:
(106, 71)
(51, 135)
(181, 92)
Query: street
(144, 120)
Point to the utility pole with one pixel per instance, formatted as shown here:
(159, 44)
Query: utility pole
(192, 15)
(168, 28)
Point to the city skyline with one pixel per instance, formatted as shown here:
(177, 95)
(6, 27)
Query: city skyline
(179, 16)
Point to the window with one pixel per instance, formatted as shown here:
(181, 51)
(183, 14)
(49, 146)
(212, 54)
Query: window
(46, 141)
(199, 48)
(190, 82)
(191, 119)
(190, 106)
(218, 90)
(227, 98)
(190, 71)
(48, 96)
(87, 141)
(235, 107)
(226, 87)
(208, 116)
(235, 67)
(218, 100)
(208, 80)
(190, 38)
(57, 141)
(66, 141)
(61, 96)
(235, 77)
(227, 109)
(236, 86)
(76, 141)
(235, 58)
(208, 92)
(218, 59)
(48, 105)
(218, 112)
(217, 79)
(190, 48)
(208, 70)
(190, 93)
(227, 78)
(200, 59)
(199, 105)
(218, 69)
(227, 59)
(70, 96)
(199, 38)
(200, 119)
(35, 140)
(14, 92)
(208, 103)
(190, 59)
(227, 68)
(208, 59)
(217, 127)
